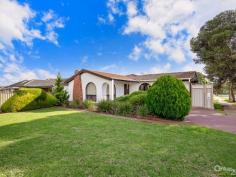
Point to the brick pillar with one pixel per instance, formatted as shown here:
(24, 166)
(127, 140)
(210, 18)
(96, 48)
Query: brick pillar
(77, 91)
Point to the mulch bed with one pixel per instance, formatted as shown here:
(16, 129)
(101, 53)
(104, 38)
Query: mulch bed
(150, 119)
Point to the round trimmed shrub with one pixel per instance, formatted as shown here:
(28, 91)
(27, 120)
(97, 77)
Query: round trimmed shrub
(29, 99)
(168, 98)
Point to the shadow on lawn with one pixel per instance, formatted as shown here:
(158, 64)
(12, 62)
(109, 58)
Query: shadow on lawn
(31, 146)
(51, 109)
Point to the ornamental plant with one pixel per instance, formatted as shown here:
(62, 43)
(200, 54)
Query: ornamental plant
(168, 98)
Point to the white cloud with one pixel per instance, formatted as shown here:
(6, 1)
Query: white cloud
(193, 67)
(14, 73)
(101, 20)
(14, 24)
(131, 9)
(110, 18)
(168, 25)
(84, 59)
(161, 69)
(136, 53)
(44, 74)
(109, 67)
(47, 16)
(18, 22)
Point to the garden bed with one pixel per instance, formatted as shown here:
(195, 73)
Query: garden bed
(149, 118)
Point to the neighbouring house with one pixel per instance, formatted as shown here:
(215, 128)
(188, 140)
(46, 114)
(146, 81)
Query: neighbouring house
(97, 85)
(46, 85)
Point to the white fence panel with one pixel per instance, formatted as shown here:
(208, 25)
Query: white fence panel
(202, 96)
(5, 94)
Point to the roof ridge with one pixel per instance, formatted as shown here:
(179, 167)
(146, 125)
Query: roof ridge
(103, 72)
(161, 73)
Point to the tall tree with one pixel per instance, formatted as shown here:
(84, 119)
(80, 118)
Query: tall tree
(59, 92)
(215, 46)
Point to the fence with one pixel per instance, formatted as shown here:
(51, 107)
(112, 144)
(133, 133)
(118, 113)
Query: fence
(202, 96)
(5, 94)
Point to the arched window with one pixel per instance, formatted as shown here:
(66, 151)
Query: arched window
(105, 91)
(144, 86)
(91, 92)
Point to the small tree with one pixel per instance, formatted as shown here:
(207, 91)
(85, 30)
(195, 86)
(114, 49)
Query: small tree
(59, 92)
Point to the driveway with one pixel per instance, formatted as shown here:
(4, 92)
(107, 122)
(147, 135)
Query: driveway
(212, 119)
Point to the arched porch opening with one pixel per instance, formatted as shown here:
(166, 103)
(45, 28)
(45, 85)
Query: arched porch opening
(144, 86)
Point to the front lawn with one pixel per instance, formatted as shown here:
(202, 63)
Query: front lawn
(58, 142)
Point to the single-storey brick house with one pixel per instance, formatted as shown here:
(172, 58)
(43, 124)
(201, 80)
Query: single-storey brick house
(97, 85)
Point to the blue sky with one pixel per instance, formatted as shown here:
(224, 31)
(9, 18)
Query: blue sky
(40, 38)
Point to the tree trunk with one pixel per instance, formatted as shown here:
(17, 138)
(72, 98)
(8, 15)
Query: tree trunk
(231, 93)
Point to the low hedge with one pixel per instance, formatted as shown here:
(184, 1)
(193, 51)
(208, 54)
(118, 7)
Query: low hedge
(105, 106)
(142, 111)
(90, 105)
(122, 108)
(74, 104)
(138, 99)
(124, 105)
(128, 97)
(29, 99)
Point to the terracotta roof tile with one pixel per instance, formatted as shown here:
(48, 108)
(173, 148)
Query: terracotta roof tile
(111, 75)
(134, 77)
(152, 77)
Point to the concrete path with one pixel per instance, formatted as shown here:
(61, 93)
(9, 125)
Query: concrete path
(212, 119)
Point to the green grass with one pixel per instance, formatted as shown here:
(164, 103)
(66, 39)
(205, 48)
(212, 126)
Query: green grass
(58, 142)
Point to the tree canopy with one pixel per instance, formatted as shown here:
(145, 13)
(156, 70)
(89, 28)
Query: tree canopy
(215, 47)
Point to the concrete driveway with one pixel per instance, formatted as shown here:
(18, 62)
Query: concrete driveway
(212, 119)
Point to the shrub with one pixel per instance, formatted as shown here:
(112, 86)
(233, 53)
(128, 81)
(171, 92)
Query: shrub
(142, 110)
(218, 106)
(169, 98)
(122, 98)
(138, 99)
(105, 106)
(89, 104)
(114, 109)
(29, 99)
(122, 108)
(131, 102)
(74, 104)
(140, 92)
